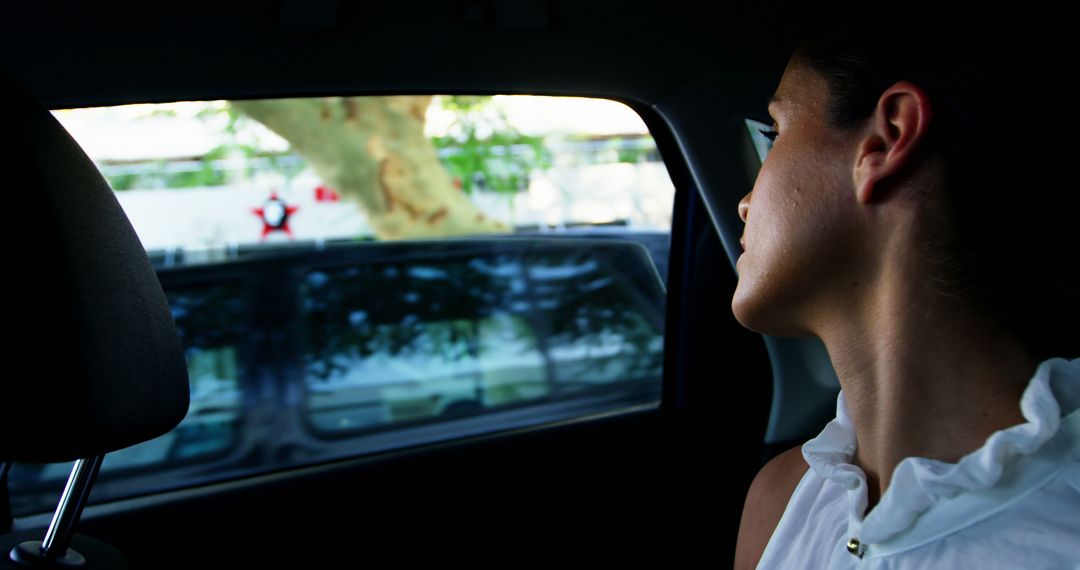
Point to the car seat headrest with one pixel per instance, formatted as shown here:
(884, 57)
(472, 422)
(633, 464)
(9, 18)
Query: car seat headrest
(94, 361)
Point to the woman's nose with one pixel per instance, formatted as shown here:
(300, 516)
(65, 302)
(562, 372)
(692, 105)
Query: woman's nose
(744, 207)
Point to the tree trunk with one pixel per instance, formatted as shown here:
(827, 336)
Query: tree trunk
(373, 151)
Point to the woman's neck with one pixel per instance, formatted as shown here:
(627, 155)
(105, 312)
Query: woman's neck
(924, 375)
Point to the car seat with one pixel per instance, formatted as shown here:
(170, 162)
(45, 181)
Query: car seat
(95, 362)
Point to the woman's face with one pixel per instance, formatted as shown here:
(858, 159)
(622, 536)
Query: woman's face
(801, 226)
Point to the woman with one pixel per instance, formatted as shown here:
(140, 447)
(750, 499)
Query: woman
(886, 221)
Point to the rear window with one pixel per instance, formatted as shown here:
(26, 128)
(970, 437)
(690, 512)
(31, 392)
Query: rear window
(323, 262)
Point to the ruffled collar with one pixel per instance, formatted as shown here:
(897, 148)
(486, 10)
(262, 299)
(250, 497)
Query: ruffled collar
(918, 483)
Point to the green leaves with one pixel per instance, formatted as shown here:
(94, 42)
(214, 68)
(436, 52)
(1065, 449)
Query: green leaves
(485, 152)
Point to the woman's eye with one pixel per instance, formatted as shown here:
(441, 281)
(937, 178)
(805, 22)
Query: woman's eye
(769, 134)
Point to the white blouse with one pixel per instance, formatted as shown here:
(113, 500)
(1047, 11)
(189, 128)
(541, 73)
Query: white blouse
(1013, 503)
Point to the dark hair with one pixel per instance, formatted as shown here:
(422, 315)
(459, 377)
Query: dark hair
(1014, 262)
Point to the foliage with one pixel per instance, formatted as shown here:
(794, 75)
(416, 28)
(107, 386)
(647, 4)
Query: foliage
(485, 152)
(239, 155)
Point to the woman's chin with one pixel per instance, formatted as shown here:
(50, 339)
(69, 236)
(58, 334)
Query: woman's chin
(762, 316)
(744, 308)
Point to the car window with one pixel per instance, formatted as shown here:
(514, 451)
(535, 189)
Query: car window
(762, 143)
(315, 254)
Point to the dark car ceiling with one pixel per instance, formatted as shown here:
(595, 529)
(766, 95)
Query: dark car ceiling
(83, 54)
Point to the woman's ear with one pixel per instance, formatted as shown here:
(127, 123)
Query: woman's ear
(891, 140)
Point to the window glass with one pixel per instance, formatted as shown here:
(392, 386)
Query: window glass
(762, 144)
(474, 333)
(316, 256)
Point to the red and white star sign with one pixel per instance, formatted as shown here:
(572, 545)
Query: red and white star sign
(275, 215)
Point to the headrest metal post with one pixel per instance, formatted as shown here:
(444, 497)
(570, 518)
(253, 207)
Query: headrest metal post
(76, 493)
(54, 550)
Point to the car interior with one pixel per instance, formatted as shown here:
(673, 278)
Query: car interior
(664, 482)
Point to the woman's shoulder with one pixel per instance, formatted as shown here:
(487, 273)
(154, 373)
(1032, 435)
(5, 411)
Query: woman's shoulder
(766, 501)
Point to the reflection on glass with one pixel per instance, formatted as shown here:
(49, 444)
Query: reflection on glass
(212, 322)
(385, 344)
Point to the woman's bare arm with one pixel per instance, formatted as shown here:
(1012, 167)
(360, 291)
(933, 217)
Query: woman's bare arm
(765, 503)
